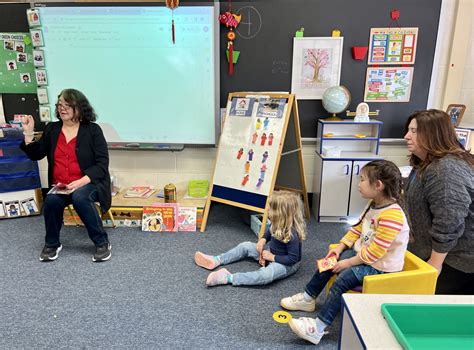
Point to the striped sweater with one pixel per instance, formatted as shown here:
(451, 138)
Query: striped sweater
(381, 238)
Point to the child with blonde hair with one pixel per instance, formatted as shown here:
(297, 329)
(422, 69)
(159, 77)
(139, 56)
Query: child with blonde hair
(376, 245)
(283, 235)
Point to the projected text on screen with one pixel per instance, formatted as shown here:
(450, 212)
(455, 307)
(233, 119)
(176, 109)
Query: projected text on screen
(144, 88)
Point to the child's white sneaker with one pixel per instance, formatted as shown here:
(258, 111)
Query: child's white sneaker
(297, 303)
(305, 328)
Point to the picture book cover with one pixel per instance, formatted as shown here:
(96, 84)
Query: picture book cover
(160, 218)
(12, 208)
(139, 192)
(2, 210)
(187, 219)
(29, 206)
(326, 264)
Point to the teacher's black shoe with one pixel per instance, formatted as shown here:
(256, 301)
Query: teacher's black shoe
(50, 253)
(102, 252)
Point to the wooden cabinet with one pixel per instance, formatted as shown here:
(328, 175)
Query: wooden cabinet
(336, 196)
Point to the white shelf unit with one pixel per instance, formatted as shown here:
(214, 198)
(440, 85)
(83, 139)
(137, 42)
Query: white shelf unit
(336, 197)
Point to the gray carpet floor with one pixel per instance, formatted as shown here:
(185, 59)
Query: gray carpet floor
(150, 295)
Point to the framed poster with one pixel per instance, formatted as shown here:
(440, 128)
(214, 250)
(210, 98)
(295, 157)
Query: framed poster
(463, 136)
(316, 66)
(384, 84)
(392, 46)
(45, 113)
(455, 112)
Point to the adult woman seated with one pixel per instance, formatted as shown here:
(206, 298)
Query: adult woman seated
(77, 158)
(439, 200)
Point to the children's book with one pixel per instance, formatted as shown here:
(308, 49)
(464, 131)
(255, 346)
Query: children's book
(139, 192)
(160, 217)
(2, 210)
(60, 188)
(12, 208)
(326, 264)
(187, 219)
(29, 206)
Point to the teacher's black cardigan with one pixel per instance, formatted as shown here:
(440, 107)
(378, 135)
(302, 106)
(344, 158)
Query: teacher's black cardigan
(91, 151)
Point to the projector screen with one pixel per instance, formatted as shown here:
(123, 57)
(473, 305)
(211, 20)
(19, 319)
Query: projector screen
(144, 88)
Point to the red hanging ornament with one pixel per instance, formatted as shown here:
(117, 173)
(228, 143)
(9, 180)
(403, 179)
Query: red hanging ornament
(231, 21)
(172, 4)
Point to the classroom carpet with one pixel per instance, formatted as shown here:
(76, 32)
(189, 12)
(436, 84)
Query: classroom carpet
(150, 295)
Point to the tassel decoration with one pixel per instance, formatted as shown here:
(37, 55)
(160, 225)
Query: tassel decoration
(231, 58)
(172, 4)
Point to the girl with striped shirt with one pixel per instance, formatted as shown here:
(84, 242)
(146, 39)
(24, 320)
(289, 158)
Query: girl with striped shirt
(375, 245)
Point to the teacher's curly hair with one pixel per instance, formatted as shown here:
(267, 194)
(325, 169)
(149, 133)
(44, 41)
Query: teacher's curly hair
(79, 102)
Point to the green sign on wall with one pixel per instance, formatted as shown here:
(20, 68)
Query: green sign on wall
(17, 71)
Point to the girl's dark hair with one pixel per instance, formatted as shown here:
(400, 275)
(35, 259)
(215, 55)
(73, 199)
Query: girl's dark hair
(79, 102)
(389, 174)
(435, 133)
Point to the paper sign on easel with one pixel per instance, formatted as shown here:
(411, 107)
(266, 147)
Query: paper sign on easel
(250, 151)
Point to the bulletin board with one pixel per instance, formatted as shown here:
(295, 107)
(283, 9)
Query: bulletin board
(17, 70)
(13, 20)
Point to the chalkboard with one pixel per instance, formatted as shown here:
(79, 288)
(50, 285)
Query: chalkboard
(265, 41)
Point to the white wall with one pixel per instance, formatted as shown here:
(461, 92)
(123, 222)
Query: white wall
(467, 85)
(158, 168)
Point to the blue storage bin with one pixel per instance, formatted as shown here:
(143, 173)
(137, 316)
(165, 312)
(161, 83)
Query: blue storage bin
(17, 171)
(16, 166)
(11, 149)
(23, 182)
(12, 134)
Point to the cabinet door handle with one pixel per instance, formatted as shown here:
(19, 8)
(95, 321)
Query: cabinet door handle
(347, 169)
(358, 169)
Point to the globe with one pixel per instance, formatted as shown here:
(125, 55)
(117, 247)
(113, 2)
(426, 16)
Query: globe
(336, 99)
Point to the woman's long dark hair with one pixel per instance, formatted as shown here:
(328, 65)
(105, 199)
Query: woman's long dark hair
(79, 102)
(435, 134)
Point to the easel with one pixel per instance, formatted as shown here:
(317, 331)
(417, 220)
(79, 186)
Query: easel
(287, 173)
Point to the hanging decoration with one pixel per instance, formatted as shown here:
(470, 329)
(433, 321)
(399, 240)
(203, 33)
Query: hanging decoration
(231, 21)
(172, 4)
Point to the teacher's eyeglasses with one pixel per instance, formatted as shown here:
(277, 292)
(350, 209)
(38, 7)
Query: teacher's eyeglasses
(64, 106)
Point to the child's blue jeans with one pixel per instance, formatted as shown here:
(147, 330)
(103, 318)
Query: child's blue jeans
(264, 275)
(345, 281)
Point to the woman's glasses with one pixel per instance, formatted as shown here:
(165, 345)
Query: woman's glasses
(64, 106)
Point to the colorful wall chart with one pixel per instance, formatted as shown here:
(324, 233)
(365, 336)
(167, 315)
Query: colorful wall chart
(17, 72)
(388, 84)
(392, 45)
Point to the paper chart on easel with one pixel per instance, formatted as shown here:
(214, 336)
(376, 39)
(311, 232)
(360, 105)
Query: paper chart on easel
(250, 142)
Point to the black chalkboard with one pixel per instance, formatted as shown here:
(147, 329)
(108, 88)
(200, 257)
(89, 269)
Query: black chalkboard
(265, 41)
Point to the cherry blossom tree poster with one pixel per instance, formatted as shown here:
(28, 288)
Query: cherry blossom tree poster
(316, 66)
